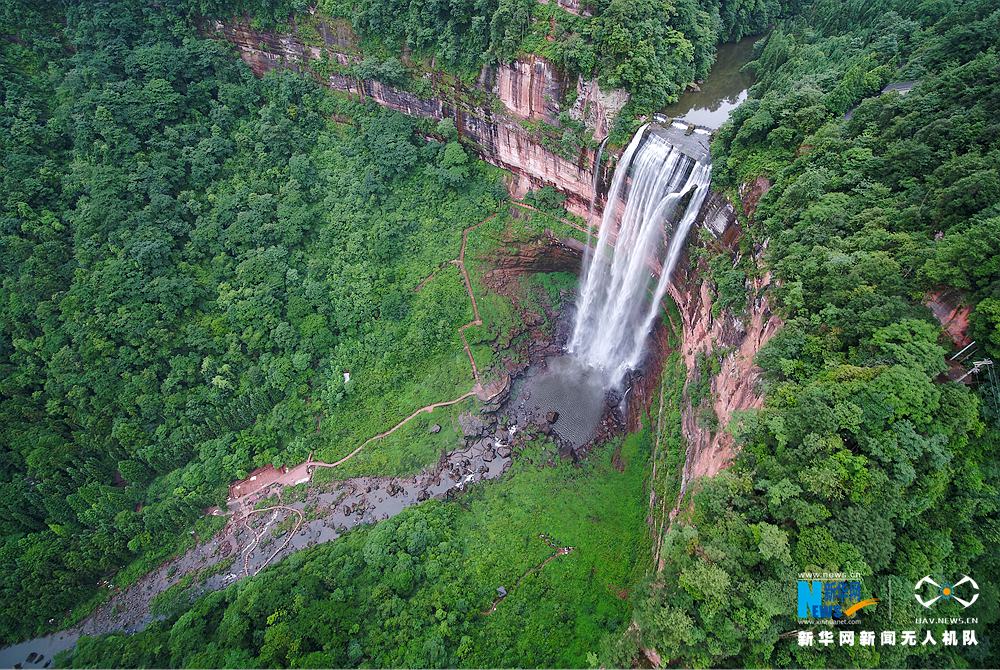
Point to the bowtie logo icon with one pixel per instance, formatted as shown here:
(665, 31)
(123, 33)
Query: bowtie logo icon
(945, 591)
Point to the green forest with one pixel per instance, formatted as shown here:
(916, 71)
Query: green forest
(651, 49)
(861, 460)
(193, 257)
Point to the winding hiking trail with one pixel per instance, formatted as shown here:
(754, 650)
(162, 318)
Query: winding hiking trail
(476, 320)
(559, 551)
(303, 471)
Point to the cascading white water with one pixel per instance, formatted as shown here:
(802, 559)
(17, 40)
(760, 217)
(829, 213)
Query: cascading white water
(616, 307)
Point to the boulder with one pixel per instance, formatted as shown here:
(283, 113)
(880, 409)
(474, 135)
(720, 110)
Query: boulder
(552, 417)
(435, 429)
(472, 426)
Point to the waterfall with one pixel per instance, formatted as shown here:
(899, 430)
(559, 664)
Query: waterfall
(595, 184)
(620, 294)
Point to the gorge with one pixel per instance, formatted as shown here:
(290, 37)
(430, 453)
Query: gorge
(656, 195)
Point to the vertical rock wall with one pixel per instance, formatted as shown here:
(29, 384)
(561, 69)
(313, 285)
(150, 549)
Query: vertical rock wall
(737, 340)
(526, 90)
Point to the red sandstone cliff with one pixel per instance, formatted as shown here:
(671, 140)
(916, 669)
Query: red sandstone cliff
(489, 115)
(949, 308)
(737, 340)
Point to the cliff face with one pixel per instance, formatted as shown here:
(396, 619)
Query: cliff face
(737, 385)
(489, 115)
(572, 6)
(950, 309)
(530, 89)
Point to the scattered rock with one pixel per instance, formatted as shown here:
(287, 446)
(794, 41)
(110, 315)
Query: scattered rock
(472, 426)
(568, 452)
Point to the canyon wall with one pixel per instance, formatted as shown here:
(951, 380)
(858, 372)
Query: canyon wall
(732, 341)
(493, 116)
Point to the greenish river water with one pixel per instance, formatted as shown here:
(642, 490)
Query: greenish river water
(723, 90)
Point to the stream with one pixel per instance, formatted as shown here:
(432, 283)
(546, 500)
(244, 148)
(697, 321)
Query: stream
(327, 510)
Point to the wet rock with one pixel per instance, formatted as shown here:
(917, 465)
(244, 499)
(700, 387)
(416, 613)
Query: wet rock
(568, 452)
(435, 429)
(472, 426)
(552, 417)
(613, 398)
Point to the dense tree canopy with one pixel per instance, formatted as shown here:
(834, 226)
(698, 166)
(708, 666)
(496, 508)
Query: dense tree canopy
(864, 459)
(652, 49)
(191, 257)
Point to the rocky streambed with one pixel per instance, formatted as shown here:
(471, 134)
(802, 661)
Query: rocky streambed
(549, 395)
(255, 538)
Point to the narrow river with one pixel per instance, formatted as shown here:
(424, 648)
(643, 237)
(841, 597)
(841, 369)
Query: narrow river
(722, 92)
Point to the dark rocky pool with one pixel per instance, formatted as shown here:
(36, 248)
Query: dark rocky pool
(564, 394)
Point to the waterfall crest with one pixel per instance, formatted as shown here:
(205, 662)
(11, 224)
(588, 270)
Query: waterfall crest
(620, 294)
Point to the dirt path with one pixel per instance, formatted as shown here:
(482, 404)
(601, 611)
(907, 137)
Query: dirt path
(476, 320)
(559, 551)
(373, 438)
(303, 471)
(652, 488)
(567, 222)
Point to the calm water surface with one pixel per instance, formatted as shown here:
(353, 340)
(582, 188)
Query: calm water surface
(723, 90)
